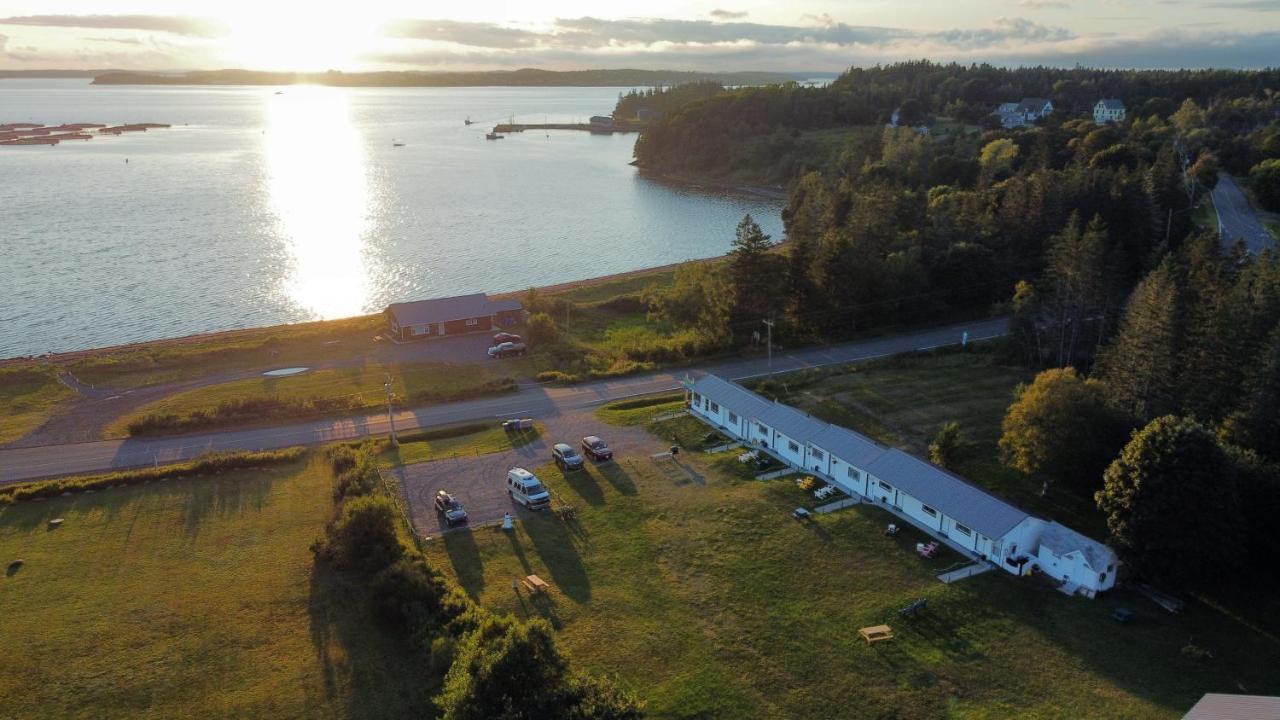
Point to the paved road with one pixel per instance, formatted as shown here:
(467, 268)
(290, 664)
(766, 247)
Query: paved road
(532, 401)
(1236, 218)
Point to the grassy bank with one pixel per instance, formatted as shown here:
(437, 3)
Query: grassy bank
(315, 394)
(192, 599)
(458, 440)
(716, 604)
(29, 394)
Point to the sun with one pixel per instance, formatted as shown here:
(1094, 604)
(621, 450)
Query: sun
(276, 38)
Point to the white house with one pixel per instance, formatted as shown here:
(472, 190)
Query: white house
(1108, 110)
(1021, 114)
(944, 505)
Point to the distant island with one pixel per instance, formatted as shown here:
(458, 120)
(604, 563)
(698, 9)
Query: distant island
(527, 77)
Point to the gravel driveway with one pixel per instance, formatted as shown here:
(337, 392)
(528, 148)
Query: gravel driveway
(479, 481)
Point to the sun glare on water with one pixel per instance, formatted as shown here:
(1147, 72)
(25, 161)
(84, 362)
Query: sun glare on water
(317, 182)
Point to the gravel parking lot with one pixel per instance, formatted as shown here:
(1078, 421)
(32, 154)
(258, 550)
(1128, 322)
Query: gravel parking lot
(479, 482)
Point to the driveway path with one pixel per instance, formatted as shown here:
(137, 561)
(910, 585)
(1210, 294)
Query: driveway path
(1236, 218)
(532, 401)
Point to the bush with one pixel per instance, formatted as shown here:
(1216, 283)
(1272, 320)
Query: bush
(497, 386)
(644, 402)
(445, 433)
(542, 329)
(557, 376)
(245, 410)
(946, 446)
(210, 463)
(363, 537)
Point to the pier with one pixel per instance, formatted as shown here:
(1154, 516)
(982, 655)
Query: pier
(588, 127)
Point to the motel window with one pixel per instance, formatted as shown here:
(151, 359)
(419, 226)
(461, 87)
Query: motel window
(733, 419)
(762, 429)
(852, 473)
(715, 408)
(929, 511)
(963, 530)
(793, 447)
(817, 454)
(885, 486)
(697, 399)
(472, 322)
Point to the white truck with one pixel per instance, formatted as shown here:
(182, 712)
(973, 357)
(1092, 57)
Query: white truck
(525, 488)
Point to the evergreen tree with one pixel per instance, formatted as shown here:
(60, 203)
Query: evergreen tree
(1077, 278)
(1140, 367)
(758, 277)
(1171, 501)
(1256, 424)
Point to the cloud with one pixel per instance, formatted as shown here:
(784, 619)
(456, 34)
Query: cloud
(178, 25)
(119, 41)
(719, 14)
(1254, 5)
(475, 34)
(1045, 4)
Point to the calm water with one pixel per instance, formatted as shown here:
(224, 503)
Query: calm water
(257, 208)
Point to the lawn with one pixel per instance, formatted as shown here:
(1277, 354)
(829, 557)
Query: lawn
(28, 396)
(220, 353)
(362, 384)
(702, 594)
(469, 439)
(192, 598)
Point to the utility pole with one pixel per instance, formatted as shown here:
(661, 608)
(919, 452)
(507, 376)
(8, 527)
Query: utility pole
(391, 420)
(769, 324)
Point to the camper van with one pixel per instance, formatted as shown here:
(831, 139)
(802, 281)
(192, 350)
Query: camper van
(525, 488)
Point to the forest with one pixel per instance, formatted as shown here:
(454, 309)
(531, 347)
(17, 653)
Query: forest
(1158, 342)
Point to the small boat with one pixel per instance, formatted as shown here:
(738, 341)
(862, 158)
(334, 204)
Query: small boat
(468, 121)
(279, 92)
(396, 143)
(493, 136)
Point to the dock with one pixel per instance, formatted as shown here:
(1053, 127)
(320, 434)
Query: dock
(597, 129)
(24, 133)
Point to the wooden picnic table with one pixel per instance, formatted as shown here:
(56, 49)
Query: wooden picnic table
(533, 583)
(876, 633)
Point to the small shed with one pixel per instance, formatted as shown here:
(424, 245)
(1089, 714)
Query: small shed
(438, 317)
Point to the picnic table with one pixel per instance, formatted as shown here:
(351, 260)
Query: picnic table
(876, 633)
(533, 583)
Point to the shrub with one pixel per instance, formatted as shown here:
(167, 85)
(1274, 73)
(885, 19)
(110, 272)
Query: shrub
(445, 433)
(209, 463)
(946, 446)
(647, 401)
(542, 329)
(496, 386)
(363, 537)
(556, 376)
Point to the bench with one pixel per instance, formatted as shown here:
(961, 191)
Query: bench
(533, 584)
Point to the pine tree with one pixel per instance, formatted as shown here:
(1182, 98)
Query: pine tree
(1141, 365)
(758, 277)
(1076, 275)
(1256, 424)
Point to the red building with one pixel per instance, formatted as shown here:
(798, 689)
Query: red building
(439, 317)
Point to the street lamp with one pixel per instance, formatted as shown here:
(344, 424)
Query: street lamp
(769, 324)
(391, 420)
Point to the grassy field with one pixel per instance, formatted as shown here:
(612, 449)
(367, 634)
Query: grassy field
(704, 596)
(192, 598)
(436, 444)
(363, 384)
(28, 396)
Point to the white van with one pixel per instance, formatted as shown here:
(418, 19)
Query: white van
(525, 488)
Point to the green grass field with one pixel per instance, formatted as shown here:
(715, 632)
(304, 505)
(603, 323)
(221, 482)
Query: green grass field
(701, 593)
(28, 396)
(363, 383)
(415, 449)
(192, 598)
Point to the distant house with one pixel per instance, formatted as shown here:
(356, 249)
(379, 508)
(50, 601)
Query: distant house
(603, 121)
(1218, 706)
(942, 504)
(438, 317)
(1021, 114)
(1108, 110)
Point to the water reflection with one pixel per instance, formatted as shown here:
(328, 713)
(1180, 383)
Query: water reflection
(318, 185)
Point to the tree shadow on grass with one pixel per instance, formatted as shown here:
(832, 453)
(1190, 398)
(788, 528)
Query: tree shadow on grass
(464, 554)
(556, 546)
(371, 671)
(223, 497)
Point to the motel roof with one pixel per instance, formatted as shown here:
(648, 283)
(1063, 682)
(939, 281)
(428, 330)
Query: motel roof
(791, 422)
(1218, 706)
(462, 307)
(946, 493)
(731, 396)
(1063, 540)
(851, 447)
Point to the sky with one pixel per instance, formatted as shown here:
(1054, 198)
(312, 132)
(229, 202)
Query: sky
(793, 35)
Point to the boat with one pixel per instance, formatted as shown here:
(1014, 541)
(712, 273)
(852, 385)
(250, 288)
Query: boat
(396, 143)
(468, 121)
(493, 136)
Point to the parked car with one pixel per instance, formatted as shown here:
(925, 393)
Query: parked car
(506, 337)
(596, 449)
(452, 510)
(507, 349)
(525, 488)
(566, 457)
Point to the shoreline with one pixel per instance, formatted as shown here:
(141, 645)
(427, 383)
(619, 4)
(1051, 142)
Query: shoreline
(60, 358)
